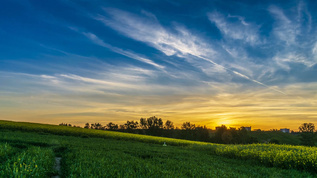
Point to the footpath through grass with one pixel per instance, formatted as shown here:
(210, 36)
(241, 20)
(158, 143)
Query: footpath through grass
(103, 153)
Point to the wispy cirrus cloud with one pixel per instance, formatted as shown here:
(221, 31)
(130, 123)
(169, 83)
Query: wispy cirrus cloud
(182, 43)
(314, 51)
(148, 29)
(294, 31)
(285, 29)
(126, 53)
(239, 29)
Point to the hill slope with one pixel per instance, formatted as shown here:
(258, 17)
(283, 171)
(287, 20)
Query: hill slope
(98, 153)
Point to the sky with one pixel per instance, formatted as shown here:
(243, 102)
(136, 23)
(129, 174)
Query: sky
(247, 63)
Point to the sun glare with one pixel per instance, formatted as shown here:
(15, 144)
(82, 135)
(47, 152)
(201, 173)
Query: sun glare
(225, 121)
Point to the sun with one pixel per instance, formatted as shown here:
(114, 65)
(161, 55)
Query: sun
(224, 121)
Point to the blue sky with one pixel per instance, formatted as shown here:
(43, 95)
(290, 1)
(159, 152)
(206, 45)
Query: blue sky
(208, 62)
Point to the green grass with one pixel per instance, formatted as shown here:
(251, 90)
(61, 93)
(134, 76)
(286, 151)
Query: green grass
(5, 151)
(33, 162)
(94, 153)
(98, 157)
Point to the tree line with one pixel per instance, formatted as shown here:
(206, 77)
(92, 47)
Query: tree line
(156, 127)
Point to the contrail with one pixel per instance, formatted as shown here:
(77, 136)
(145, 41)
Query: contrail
(241, 75)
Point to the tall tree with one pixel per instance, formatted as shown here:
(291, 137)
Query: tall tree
(188, 126)
(169, 125)
(130, 125)
(112, 126)
(219, 132)
(87, 126)
(143, 123)
(308, 137)
(307, 127)
(97, 126)
(155, 125)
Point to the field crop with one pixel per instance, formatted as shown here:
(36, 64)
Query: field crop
(5, 151)
(283, 156)
(33, 162)
(98, 157)
(96, 153)
(152, 160)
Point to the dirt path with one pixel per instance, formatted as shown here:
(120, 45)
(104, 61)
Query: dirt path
(57, 167)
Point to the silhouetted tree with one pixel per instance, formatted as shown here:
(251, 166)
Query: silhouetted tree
(87, 126)
(188, 131)
(154, 122)
(219, 132)
(155, 125)
(201, 133)
(123, 127)
(97, 126)
(169, 125)
(307, 127)
(307, 134)
(65, 124)
(243, 135)
(226, 137)
(188, 126)
(131, 125)
(143, 123)
(233, 136)
(112, 126)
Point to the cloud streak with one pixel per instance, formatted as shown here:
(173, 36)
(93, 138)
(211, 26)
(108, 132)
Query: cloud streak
(131, 55)
(239, 30)
(147, 29)
(139, 28)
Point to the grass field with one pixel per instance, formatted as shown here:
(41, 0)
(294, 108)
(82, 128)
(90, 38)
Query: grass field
(30, 150)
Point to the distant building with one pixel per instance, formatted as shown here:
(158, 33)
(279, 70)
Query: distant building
(247, 128)
(285, 130)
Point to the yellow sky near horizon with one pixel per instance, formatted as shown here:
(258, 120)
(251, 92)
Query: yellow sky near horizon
(262, 109)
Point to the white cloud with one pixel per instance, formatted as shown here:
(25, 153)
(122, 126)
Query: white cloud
(295, 30)
(180, 41)
(314, 51)
(303, 16)
(284, 58)
(95, 81)
(129, 54)
(240, 30)
(147, 29)
(284, 29)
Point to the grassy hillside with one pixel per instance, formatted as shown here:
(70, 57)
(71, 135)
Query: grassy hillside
(94, 153)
